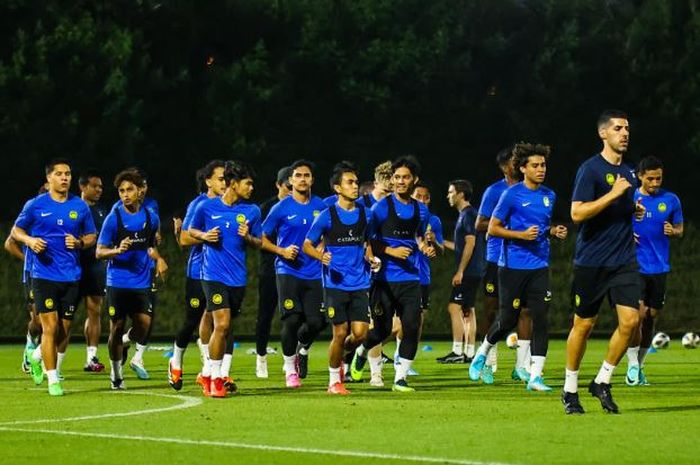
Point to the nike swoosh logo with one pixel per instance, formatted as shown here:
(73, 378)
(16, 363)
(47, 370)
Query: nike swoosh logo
(291, 217)
(526, 204)
(216, 217)
(46, 214)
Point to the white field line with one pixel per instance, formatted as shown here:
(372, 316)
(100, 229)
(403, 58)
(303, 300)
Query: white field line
(262, 447)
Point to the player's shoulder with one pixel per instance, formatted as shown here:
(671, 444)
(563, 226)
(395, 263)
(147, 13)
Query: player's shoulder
(548, 191)
(495, 188)
(435, 220)
(317, 202)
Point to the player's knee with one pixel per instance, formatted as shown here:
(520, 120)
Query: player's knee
(584, 325)
(629, 321)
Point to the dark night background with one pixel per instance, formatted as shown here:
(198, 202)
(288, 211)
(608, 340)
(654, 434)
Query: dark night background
(169, 85)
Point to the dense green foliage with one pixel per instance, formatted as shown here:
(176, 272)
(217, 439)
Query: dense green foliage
(167, 85)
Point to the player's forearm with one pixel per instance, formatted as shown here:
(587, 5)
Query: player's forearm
(449, 245)
(185, 239)
(12, 247)
(467, 253)
(482, 224)
(582, 211)
(268, 246)
(20, 235)
(195, 234)
(497, 230)
(88, 240)
(309, 249)
(253, 241)
(105, 253)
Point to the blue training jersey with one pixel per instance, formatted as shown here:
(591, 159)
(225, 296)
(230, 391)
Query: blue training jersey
(345, 238)
(225, 260)
(466, 227)
(52, 221)
(194, 261)
(290, 221)
(396, 224)
(130, 269)
(435, 225)
(605, 240)
(519, 209)
(653, 251)
(488, 204)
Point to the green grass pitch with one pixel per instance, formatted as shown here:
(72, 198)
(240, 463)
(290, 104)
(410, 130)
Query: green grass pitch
(448, 419)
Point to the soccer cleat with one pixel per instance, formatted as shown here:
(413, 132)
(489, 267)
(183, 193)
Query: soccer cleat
(230, 385)
(37, 371)
(451, 358)
(357, 367)
(139, 369)
(520, 374)
(26, 364)
(117, 384)
(217, 388)
(377, 380)
(487, 374)
(205, 383)
(643, 378)
(59, 375)
(602, 392)
(537, 384)
(292, 381)
(571, 403)
(476, 367)
(386, 359)
(467, 360)
(402, 386)
(94, 366)
(55, 389)
(174, 377)
(412, 372)
(261, 367)
(338, 388)
(632, 378)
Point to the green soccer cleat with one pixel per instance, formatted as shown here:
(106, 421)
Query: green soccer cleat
(487, 374)
(36, 371)
(55, 389)
(402, 386)
(357, 366)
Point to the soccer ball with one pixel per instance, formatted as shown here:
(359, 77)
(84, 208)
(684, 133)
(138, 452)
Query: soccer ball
(512, 340)
(660, 341)
(690, 340)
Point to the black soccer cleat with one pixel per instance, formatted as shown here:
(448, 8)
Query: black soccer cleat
(451, 358)
(571, 403)
(302, 363)
(602, 392)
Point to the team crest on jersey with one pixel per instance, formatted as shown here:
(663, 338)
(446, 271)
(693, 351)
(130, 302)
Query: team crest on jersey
(331, 312)
(217, 299)
(288, 304)
(490, 288)
(240, 218)
(577, 300)
(662, 207)
(316, 213)
(48, 303)
(73, 215)
(70, 311)
(610, 178)
(194, 302)
(112, 310)
(516, 303)
(545, 200)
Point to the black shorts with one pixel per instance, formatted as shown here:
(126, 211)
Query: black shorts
(491, 280)
(523, 288)
(299, 295)
(219, 296)
(346, 306)
(653, 290)
(55, 296)
(123, 302)
(195, 299)
(424, 297)
(592, 284)
(465, 293)
(93, 280)
(28, 293)
(396, 298)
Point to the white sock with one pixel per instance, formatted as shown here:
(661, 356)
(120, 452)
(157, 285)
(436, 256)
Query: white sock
(334, 375)
(215, 368)
(401, 370)
(303, 350)
(375, 365)
(176, 359)
(457, 347)
(205, 350)
(605, 373)
(471, 350)
(521, 354)
(59, 360)
(360, 351)
(138, 354)
(91, 353)
(30, 341)
(289, 364)
(398, 344)
(226, 365)
(206, 368)
(485, 349)
(52, 375)
(346, 368)
(126, 337)
(36, 355)
(633, 356)
(643, 351)
(260, 358)
(571, 381)
(492, 357)
(116, 369)
(537, 366)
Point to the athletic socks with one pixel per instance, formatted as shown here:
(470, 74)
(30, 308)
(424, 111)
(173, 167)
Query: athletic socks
(36, 354)
(59, 360)
(492, 356)
(30, 342)
(375, 364)
(605, 373)
(176, 359)
(206, 368)
(52, 376)
(303, 350)
(470, 350)
(226, 365)
(402, 369)
(290, 364)
(485, 349)
(91, 352)
(215, 368)
(537, 366)
(571, 381)
(116, 369)
(334, 375)
(360, 351)
(457, 347)
(522, 353)
(633, 356)
(138, 354)
(125, 337)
